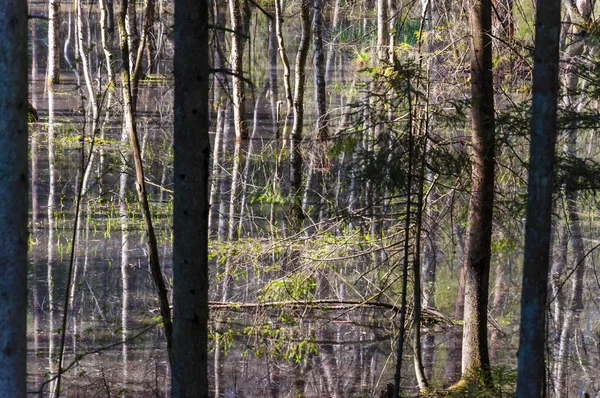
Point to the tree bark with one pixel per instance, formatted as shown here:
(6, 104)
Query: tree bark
(236, 7)
(296, 162)
(382, 30)
(279, 174)
(475, 355)
(14, 198)
(320, 89)
(190, 209)
(53, 42)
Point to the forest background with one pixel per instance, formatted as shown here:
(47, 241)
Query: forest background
(366, 205)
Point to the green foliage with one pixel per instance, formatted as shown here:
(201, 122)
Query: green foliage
(296, 286)
(282, 342)
(504, 381)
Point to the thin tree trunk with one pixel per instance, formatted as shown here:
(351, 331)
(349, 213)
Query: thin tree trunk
(54, 42)
(331, 49)
(319, 61)
(382, 30)
(123, 217)
(133, 34)
(236, 7)
(417, 310)
(273, 89)
(571, 319)
(579, 14)
(406, 252)
(51, 237)
(430, 256)
(499, 302)
(130, 126)
(296, 161)
(85, 66)
(248, 169)
(559, 260)
(287, 92)
(220, 97)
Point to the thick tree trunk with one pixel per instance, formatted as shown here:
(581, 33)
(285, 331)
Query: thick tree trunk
(14, 198)
(190, 210)
(475, 355)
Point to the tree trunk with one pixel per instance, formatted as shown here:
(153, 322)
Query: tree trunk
(475, 355)
(571, 319)
(133, 34)
(123, 218)
(190, 209)
(51, 234)
(320, 89)
(417, 310)
(273, 89)
(220, 99)
(296, 162)
(499, 301)
(279, 174)
(559, 260)
(53, 42)
(430, 257)
(579, 14)
(382, 30)
(130, 126)
(236, 7)
(14, 198)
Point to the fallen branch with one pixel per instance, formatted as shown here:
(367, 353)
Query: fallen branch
(324, 304)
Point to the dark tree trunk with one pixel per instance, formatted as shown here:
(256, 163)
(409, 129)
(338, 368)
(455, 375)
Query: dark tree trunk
(297, 162)
(530, 377)
(13, 196)
(190, 209)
